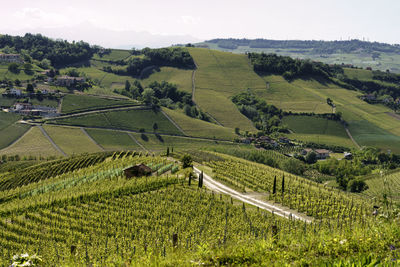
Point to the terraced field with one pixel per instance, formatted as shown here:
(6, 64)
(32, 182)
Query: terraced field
(71, 140)
(199, 128)
(113, 140)
(33, 143)
(317, 130)
(369, 124)
(220, 76)
(9, 129)
(79, 103)
(123, 120)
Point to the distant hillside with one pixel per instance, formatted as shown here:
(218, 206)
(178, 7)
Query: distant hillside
(359, 53)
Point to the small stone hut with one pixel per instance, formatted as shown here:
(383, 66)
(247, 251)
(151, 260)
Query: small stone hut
(137, 171)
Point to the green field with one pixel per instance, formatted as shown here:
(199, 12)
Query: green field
(7, 101)
(124, 120)
(219, 77)
(182, 78)
(160, 143)
(364, 60)
(71, 140)
(9, 129)
(318, 130)
(377, 127)
(199, 128)
(113, 140)
(79, 103)
(32, 143)
(359, 74)
(116, 54)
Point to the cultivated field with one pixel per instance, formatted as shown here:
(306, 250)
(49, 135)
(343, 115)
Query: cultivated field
(199, 128)
(124, 120)
(220, 76)
(71, 140)
(113, 140)
(79, 103)
(33, 143)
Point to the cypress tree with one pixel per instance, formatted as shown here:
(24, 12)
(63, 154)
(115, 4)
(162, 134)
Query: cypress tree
(167, 151)
(201, 180)
(283, 184)
(190, 179)
(274, 187)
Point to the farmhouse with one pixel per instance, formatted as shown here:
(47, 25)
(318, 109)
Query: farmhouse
(22, 106)
(322, 153)
(16, 92)
(68, 80)
(10, 58)
(137, 171)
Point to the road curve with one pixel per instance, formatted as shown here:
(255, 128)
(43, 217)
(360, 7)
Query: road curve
(219, 187)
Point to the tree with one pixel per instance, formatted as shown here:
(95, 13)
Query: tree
(29, 88)
(167, 151)
(357, 186)
(127, 85)
(28, 68)
(155, 126)
(148, 95)
(13, 67)
(237, 130)
(294, 166)
(274, 186)
(311, 158)
(201, 175)
(187, 161)
(283, 184)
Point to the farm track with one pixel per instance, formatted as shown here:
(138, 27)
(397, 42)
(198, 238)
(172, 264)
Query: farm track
(102, 110)
(94, 141)
(351, 137)
(51, 140)
(132, 131)
(173, 122)
(137, 142)
(271, 207)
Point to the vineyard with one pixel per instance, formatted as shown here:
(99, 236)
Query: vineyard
(289, 190)
(86, 212)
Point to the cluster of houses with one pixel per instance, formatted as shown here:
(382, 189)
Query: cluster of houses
(18, 93)
(10, 58)
(263, 141)
(34, 110)
(320, 153)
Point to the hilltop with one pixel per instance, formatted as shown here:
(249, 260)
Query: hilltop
(379, 56)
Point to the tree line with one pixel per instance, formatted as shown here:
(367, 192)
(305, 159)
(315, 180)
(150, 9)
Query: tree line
(310, 46)
(59, 52)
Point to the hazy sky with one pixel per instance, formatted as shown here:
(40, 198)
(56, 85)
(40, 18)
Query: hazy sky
(206, 19)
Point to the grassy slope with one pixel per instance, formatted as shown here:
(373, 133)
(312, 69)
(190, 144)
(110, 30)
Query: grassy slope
(317, 130)
(113, 140)
(388, 184)
(182, 78)
(32, 143)
(76, 103)
(160, 143)
(369, 124)
(220, 76)
(199, 128)
(116, 54)
(126, 120)
(386, 60)
(9, 129)
(71, 140)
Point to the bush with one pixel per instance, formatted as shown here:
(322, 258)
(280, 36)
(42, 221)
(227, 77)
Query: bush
(187, 161)
(357, 186)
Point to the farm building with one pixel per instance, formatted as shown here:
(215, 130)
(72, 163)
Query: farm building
(322, 153)
(68, 81)
(137, 171)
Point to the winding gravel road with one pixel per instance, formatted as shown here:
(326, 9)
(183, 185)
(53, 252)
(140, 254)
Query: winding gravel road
(221, 188)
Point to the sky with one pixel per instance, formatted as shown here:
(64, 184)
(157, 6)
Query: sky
(105, 22)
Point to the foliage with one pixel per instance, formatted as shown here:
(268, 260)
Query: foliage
(187, 161)
(266, 117)
(60, 53)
